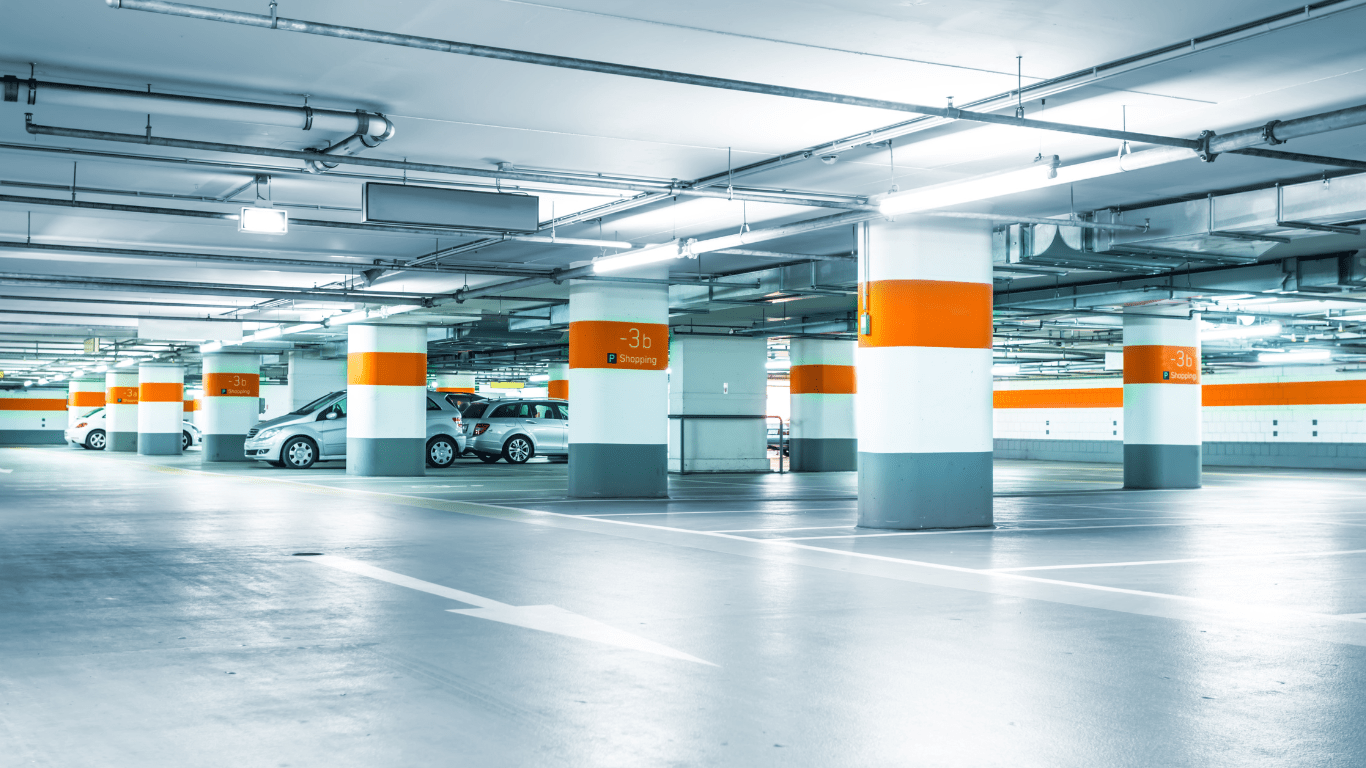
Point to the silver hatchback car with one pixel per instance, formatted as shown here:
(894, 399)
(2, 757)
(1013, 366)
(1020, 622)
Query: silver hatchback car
(317, 432)
(516, 430)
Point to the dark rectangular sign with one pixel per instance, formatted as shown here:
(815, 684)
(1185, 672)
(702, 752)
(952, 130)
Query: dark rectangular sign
(440, 207)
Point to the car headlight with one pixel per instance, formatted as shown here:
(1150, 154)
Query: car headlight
(266, 434)
(82, 425)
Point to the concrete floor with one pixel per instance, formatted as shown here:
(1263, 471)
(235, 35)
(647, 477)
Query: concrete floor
(152, 614)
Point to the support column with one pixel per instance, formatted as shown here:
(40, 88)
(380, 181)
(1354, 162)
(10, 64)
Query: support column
(1162, 419)
(618, 351)
(558, 386)
(718, 375)
(923, 408)
(161, 409)
(83, 396)
(386, 400)
(455, 382)
(232, 404)
(822, 434)
(121, 411)
(310, 378)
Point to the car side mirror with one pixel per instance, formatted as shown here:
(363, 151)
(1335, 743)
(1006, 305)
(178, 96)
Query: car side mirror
(331, 416)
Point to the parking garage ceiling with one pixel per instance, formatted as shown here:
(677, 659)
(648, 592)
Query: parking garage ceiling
(99, 236)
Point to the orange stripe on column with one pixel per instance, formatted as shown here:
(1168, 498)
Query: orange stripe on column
(558, 389)
(822, 380)
(1097, 397)
(121, 396)
(86, 399)
(1286, 393)
(927, 313)
(31, 404)
(389, 369)
(161, 392)
(1161, 364)
(614, 344)
(232, 385)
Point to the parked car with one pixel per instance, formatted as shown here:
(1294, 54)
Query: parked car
(781, 442)
(516, 430)
(462, 400)
(89, 432)
(317, 432)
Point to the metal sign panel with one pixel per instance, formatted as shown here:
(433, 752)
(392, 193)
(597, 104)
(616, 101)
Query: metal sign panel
(440, 207)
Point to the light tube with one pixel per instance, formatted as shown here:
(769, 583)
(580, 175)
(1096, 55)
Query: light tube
(264, 221)
(1298, 356)
(639, 257)
(1231, 331)
(930, 198)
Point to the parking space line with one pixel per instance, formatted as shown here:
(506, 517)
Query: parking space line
(1214, 559)
(765, 530)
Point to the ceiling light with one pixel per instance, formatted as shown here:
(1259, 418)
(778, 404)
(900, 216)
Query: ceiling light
(639, 257)
(1231, 331)
(364, 314)
(28, 383)
(264, 221)
(970, 190)
(125, 363)
(776, 365)
(540, 377)
(1298, 356)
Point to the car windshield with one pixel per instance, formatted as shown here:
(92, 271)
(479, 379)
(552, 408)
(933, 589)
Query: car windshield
(93, 413)
(315, 405)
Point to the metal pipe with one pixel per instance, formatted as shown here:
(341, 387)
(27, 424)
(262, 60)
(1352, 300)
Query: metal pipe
(210, 289)
(1280, 131)
(368, 227)
(309, 156)
(789, 256)
(623, 70)
(1037, 220)
(373, 125)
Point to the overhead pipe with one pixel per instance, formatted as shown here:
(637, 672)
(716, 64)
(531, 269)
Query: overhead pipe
(624, 70)
(307, 156)
(211, 289)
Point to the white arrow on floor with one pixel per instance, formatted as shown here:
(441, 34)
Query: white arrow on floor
(545, 618)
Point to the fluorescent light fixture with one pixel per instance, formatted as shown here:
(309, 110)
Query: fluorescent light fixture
(28, 383)
(361, 315)
(101, 368)
(778, 365)
(264, 221)
(1229, 331)
(540, 377)
(1005, 369)
(41, 382)
(125, 363)
(1298, 356)
(971, 190)
(639, 257)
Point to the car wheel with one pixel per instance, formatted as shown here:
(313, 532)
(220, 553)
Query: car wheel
(441, 452)
(95, 440)
(518, 450)
(488, 458)
(299, 453)
(185, 441)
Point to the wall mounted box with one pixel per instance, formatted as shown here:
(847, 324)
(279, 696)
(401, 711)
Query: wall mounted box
(441, 207)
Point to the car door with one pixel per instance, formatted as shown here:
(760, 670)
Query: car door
(562, 411)
(546, 426)
(333, 430)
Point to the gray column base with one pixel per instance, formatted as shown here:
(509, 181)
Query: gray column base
(611, 471)
(910, 491)
(224, 448)
(386, 456)
(32, 437)
(159, 444)
(832, 454)
(125, 442)
(1161, 466)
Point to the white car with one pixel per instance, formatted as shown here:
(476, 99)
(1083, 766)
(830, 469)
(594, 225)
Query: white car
(89, 432)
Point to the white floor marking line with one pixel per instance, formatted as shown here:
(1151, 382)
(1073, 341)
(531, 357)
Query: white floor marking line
(765, 530)
(1196, 524)
(1216, 559)
(721, 512)
(544, 618)
(6, 471)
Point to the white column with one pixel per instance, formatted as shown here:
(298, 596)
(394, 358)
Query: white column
(232, 404)
(161, 408)
(822, 382)
(923, 408)
(558, 386)
(717, 376)
(83, 396)
(121, 411)
(1162, 419)
(386, 400)
(455, 382)
(618, 351)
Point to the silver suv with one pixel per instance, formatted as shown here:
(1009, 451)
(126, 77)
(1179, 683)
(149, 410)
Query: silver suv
(317, 432)
(516, 430)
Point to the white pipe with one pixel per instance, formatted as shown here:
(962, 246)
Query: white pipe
(165, 104)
